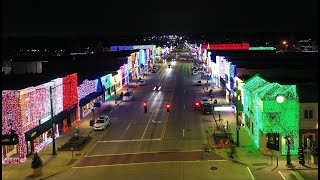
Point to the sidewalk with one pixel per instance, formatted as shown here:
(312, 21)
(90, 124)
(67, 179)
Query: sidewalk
(247, 153)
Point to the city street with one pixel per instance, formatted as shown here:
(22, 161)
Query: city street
(163, 145)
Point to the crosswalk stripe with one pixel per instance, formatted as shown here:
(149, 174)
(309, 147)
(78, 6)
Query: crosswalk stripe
(297, 175)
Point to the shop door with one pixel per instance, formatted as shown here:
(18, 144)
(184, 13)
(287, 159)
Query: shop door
(30, 148)
(68, 121)
(72, 115)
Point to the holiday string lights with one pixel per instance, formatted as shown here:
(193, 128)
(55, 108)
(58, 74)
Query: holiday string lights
(23, 109)
(70, 93)
(87, 87)
(268, 115)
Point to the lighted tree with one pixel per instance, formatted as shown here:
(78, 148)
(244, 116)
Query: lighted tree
(36, 161)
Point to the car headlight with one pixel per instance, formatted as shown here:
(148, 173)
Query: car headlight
(154, 88)
(159, 88)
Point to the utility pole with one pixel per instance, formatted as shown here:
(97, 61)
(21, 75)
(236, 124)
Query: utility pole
(237, 114)
(52, 122)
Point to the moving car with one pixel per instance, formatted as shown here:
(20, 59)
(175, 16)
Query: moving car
(153, 71)
(128, 96)
(169, 66)
(142, 82)
(157, 87)
(102, 123)
(206, 108)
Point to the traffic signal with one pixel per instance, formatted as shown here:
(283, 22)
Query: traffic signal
(145, 106)
(168, 107)
(301, 156)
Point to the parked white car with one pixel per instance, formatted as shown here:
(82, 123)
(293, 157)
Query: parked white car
(128, 96)
(102, 123)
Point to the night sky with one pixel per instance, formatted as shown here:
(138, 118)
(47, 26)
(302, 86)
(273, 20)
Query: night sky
(96, 18)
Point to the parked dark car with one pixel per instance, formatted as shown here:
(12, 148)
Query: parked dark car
(206, 108)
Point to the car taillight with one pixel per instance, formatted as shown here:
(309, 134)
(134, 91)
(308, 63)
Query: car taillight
(197, 104)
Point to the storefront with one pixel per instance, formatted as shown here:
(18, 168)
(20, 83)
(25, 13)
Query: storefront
(86, 104)
(10, 145)
(38, 137)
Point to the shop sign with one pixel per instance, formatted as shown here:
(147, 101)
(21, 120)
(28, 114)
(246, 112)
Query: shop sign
(43, 120)
(33, 134)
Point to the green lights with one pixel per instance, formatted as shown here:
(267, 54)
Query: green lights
(270, 115)
(262, 48)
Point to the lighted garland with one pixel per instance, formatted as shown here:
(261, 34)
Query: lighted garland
(269, 115)
(70, 92)
(57, 93)
(87, 87)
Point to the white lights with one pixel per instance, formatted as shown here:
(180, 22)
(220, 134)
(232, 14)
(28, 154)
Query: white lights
(280, 99)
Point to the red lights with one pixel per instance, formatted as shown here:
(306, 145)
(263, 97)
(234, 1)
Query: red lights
(145, 104)
(244, 46)
(197, 104)
(168, 105)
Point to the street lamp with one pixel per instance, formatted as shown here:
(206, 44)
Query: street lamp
(237, 114)
(284, 45)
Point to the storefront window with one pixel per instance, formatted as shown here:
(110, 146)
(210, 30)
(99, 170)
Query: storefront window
(87, 108)
(99, 98)
(11, 150)
(39, 139)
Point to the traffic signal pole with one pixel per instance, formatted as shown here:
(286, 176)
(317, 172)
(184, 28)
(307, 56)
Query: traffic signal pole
(52, 122)
(237, 114)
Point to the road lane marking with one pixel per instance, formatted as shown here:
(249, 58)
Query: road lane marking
(163, 132)
(184, 91)
(153, 152)
(282, 175)
(129, 140)
(142, 163)
(184, 107)
(250, 172)
(128, 126)
(145, 130)
(297, 175)
(182, 132)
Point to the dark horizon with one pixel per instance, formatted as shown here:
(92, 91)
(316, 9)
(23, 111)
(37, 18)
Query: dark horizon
(98, 19)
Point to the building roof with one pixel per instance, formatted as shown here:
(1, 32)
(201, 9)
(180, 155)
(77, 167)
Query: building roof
(270, 91)
(86, 66)
(21, 81)
(94, 63)
(254, 83)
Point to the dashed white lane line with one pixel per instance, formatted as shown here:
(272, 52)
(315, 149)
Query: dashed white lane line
(297, 175)
(281, 175)
(250, 172)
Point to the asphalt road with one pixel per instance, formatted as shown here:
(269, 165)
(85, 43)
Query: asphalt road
(160, 144)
